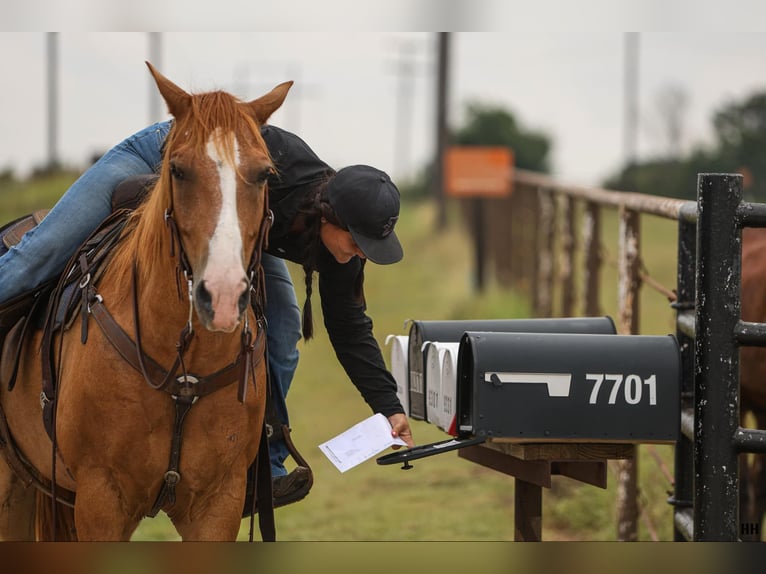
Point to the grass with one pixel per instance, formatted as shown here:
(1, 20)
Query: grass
(444, 498)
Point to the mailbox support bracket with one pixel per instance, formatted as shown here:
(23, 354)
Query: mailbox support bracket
(532, 466)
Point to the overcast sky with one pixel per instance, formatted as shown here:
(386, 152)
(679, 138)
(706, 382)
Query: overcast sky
(353, 103)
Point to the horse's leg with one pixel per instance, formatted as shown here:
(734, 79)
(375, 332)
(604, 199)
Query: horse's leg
(17, 506)
(99, 514)
(216, 517)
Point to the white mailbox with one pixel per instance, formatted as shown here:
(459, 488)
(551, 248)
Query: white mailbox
(400, 368)
(449, 389)
(434, 352)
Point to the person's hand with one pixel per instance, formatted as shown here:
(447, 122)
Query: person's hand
(400, 427)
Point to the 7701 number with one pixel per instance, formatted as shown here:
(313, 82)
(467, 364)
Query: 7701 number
(632, 387)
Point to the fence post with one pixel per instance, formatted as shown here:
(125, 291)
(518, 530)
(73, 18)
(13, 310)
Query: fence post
(592, 250)
(566, 266)
(716, 375)
(683, 491)
(546, 233)
(628, 300)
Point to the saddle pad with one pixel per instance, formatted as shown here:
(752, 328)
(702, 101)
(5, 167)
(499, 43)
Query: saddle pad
(16, 231)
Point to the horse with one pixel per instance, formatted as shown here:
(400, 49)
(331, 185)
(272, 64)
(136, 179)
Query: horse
(145, 418)
(753, 374)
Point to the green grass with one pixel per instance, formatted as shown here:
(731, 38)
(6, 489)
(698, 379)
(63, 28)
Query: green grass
(443, 498)
(18, 198)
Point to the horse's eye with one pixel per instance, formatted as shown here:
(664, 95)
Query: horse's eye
(261, 176)
(176, 171)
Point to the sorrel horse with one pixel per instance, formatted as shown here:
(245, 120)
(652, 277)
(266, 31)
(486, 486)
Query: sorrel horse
(753, 373)
(122, 446)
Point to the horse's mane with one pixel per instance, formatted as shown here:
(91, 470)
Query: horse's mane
(146, 236)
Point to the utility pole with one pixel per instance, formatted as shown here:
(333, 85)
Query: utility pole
(630, 133)
(405, 70)
(51, 45)
(442, 133)
(155, 59)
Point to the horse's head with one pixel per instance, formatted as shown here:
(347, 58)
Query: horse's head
(214, 174)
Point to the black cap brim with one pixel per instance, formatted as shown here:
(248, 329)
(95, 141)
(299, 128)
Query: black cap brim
(383, 251)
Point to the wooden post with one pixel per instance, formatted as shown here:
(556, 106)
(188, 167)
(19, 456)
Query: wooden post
(528, 511)
(592, 269)
(628, 324)
(566, 260)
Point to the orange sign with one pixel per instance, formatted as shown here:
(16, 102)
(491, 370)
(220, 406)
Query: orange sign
(478, 171)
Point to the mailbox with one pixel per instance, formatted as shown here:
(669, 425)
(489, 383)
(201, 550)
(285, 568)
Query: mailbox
(422, 332)
(399, 368)
(562, 387)
(434, 352)
(553, 386)
(449, 390)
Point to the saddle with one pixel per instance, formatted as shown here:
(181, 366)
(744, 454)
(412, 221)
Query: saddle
(27, 310)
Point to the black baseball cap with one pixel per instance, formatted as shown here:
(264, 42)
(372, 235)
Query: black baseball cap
(367, 203)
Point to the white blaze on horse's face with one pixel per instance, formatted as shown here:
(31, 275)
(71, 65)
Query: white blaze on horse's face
(221, 291)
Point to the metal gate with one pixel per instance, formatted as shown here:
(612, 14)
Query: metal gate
(710, 330)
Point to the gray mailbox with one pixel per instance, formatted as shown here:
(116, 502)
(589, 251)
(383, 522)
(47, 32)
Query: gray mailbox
(552, 386)
(422, 332)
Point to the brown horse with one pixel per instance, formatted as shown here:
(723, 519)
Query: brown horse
(204, 223)
(753, 373)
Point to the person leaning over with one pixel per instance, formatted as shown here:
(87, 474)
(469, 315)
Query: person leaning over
(329, 222)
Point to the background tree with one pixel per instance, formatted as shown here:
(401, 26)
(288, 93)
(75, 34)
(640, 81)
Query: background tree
(739, 146)
(741, 136)
(493, 125)
(489, 125)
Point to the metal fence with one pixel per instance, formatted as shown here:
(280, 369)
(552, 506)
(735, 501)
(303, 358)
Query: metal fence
(710, 261)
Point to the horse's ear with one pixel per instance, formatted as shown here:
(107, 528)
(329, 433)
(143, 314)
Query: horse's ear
(176, 98)
(267, 104)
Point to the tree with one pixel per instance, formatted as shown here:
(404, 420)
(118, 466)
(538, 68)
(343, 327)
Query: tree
(741, 137)
(739, 147)
(492, 125)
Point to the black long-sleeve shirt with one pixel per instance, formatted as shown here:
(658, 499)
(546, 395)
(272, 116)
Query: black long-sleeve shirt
(299, 172)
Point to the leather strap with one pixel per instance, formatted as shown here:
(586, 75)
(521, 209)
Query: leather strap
(128, 350)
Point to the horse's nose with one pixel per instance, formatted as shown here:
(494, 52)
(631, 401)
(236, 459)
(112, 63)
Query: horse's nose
(220, 307)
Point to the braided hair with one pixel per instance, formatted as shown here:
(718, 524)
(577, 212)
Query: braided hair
(316, 208)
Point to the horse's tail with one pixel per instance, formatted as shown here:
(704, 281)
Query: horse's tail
(45, 530)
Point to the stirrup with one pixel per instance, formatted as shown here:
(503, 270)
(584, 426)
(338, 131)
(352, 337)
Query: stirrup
(281, 431)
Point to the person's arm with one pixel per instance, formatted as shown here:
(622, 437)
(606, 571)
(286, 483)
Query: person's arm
(350, 331)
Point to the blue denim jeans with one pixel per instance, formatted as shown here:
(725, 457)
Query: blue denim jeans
(283, 317)
(44, 251)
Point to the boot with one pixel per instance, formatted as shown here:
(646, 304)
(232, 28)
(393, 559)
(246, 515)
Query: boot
(288, 488)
